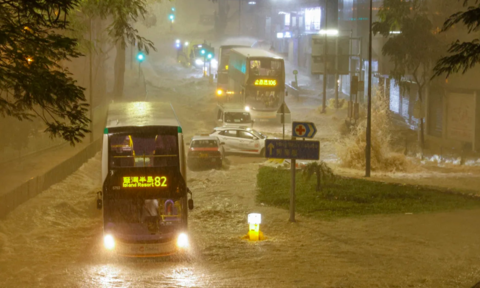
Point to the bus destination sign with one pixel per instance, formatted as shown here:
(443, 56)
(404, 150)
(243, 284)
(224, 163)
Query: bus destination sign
(144, 182)
(265, 82)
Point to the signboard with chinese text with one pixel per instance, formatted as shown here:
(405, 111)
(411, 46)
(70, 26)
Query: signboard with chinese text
(291, 149)
(144, 181)
(265, 82)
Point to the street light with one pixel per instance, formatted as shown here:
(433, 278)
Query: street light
(368, 146)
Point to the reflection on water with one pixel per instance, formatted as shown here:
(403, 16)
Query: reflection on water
(146, 274)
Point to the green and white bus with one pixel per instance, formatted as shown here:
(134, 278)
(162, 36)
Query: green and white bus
(145, 196)
(256, 79)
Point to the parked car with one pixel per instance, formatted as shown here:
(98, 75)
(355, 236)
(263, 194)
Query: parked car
(233, 116)
(205, 150)
(241, 140)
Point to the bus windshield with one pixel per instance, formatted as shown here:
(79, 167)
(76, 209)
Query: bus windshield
(263, 99)
(143, 150)
(139, 216)
(266, 67)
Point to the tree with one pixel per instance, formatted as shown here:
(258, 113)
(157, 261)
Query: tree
(32, 82)
(413, 49)
(465, 55)
(123, 14)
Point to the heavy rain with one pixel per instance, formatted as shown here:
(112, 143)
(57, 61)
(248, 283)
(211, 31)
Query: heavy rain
(239, 143)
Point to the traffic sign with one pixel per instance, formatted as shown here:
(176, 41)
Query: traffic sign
(303, 129)
(283, 114)
(291, 149)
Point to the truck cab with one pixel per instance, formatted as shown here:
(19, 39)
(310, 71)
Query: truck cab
(233, 116)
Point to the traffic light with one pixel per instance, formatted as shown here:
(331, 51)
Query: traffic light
(140, 57)
(208, 52)
(173, 9)
(171, 17)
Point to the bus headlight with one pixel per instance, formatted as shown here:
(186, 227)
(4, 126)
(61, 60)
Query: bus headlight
(109, 242)
(247, 108)
(199, 62)
(219, 92)
(182, 241)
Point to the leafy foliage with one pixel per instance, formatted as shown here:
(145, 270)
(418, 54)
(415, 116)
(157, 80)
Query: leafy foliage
(321, 170)
(123, 14)
(465, 54)
(415, 48)
(33, 84)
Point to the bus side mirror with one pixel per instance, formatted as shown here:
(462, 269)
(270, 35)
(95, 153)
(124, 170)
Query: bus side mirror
(99, 200)
(190, 204)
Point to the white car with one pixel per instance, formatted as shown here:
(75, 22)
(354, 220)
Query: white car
(241, 140)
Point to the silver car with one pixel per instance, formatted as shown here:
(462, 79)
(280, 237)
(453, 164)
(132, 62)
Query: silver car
(241, 140)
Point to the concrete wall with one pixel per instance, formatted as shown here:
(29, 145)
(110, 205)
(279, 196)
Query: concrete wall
(34, 186)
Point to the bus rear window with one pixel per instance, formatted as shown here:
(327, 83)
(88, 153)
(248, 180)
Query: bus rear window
(204, 143)
(143, 150)
(266, 67)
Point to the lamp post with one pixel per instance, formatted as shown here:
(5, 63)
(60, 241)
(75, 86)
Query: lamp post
(324, 100)
(368, 146)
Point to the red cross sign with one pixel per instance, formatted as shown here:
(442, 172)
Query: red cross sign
(303, 129)
(300, 130)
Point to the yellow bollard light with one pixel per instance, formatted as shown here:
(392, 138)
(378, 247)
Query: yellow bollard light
(254, 221)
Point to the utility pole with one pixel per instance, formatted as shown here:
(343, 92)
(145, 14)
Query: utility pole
(292, 187)
(336, 73)
(239, 17)
(91, 82)
(324, 100)
(368, 145)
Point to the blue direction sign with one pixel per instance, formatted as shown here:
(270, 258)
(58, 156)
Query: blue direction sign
(291, 149)
(303, 129)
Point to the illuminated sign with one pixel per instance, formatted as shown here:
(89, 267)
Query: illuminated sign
(265, 82)
(144, 182)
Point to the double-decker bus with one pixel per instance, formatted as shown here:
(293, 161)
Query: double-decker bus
(256, 78)
(223, 60)
(144, 196)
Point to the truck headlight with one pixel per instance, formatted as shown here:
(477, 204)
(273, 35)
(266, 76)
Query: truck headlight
(109, 242)
(182, 241)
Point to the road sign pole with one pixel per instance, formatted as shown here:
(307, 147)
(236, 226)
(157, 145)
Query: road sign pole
(292, 189)
(283, 119)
